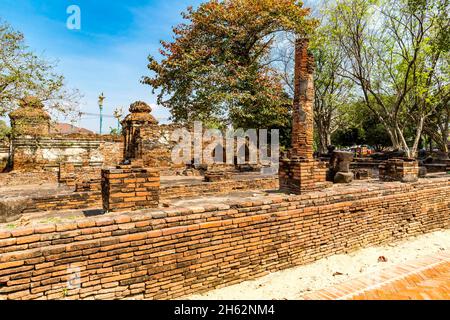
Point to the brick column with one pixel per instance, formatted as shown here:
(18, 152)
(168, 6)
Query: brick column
(301, 172)
(302, 113)
(130, 188)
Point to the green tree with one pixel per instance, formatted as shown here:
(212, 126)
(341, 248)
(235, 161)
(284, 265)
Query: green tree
(5, 130)
(395, 54)
(218, 68)
(362, 127)
(22, 74)
(332, 91)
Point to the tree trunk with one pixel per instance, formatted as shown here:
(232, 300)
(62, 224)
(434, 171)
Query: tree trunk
(324, 139)
(419, 130)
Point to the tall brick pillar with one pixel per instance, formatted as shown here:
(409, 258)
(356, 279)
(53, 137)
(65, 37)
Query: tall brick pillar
(300, 172)
(302, 113)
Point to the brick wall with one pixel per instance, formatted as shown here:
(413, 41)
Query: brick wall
(298, 176)
(48, 152)
(66, 201)
(164, 254)
(220, 187)
(88, 194)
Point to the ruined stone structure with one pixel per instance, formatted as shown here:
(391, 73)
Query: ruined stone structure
(129, 187)
(34, 147)
(165, 250)
(47, 152)
(404, 170)
(138, 118)
(168, 253)
(30, 119)
(300, 172)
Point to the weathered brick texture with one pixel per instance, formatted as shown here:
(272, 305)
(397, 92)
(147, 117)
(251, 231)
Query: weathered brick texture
(162, 254)
(300, 175)
(129, 188)
(303, 114)
(300, 172)
(88, 194)
(399, 170)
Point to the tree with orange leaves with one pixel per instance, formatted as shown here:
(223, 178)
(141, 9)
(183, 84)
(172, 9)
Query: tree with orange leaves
(218, 69)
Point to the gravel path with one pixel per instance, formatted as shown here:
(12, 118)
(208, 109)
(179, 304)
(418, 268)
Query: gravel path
(295, 282)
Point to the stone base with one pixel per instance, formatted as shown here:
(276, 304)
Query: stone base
(343, 177)
(302, 175)
(130, 188)
(403, 170)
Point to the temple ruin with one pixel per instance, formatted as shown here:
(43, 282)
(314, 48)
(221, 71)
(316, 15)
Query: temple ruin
(135, 225)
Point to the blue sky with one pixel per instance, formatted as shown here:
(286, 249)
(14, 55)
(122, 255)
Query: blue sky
(108, 54)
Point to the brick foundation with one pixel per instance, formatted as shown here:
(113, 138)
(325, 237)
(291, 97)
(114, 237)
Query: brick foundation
(399, 170)
(164, 254)
(88, 194)
(299, 176)
(128, 188)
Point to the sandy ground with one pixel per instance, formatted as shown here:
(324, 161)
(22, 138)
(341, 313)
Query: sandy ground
(295, 282)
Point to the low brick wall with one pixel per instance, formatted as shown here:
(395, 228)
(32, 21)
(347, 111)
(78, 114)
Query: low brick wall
(66, 201)
(88, 194)
(220, 187)
(399, 170)
(162, 254)
(298, 176)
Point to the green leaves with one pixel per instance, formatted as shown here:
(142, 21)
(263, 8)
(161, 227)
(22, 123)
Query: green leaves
(216, 69)
(23, 74)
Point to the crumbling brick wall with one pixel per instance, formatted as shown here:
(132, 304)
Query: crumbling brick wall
(46, 153)
(87, 194)
(163, 254)
(155, 148)
(77, 200)
(220, 187)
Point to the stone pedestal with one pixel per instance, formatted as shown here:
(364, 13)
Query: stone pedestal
(339, 171)
(302, 175)
(404, 170)
(130, 188)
